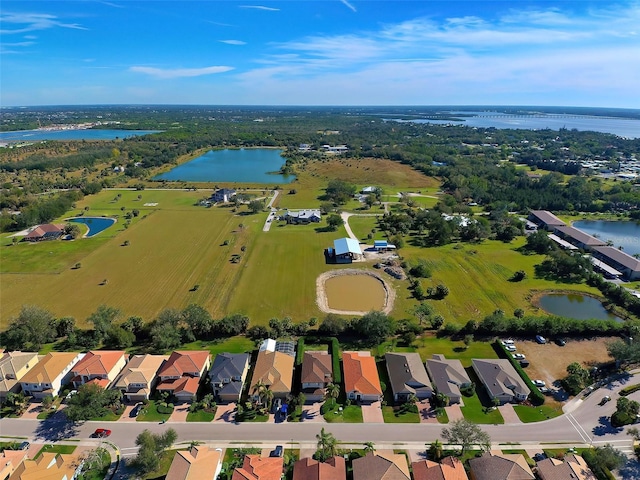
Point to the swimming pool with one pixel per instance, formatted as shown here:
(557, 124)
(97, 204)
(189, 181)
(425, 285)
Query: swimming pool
(95, 224)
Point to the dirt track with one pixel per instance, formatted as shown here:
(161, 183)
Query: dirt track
(321, 295)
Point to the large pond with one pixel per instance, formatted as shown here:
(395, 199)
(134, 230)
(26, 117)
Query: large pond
(244, 165)
(80, 134)
(95, 224)
(355, 293)
(623, 234)
(581, 307)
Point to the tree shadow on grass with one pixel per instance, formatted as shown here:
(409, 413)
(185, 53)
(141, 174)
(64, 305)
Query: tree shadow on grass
(56, 428)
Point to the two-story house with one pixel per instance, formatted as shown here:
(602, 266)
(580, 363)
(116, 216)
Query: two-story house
(181, 374)
(49, 374)
(227, 375)
(317, 373)
(13, 366)
(100, 367)
(139, 376)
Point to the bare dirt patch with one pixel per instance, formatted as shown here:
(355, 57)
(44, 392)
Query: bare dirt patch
(321, 294)
(549, 361)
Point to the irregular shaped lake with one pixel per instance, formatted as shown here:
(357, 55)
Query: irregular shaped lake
(581, 307)
(250, 165)
(623, 234)
(95, 224)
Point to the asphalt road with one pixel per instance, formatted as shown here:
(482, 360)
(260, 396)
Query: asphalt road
(587, 424)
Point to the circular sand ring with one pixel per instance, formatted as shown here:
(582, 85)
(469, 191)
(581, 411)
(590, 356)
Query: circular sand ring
(321, 294)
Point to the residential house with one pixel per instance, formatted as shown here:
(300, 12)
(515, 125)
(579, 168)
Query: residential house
(379, 466)
(449, 468)
(100, 367)
(333, 468)
(317, 373)
(223, 195)
(197, 463)
(302, 216)
(500, 467)
(274, 369)
(181, 374)
(255, 467)
(545, 219)
(572, 467)
(47, 231)
(9, 461)
(49, 374)
(501, 380)
(408, 376)
(227, 375)
(48, 466)
(368, 190)
(627, 265)
(361, 381)
(139, 377)
(13, 366)
(448, 376)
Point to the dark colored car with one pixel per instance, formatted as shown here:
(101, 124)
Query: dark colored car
(102, 433)
(277, 452)
(24, 446)
(561, 342)
(604, 400)
(135, 411)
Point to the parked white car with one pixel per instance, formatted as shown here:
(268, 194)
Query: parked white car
(519, 356)
(539, 383)
(507, 342)
(510, 348)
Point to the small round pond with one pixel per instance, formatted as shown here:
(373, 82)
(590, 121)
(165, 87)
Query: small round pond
(581, 307)
(95, 224)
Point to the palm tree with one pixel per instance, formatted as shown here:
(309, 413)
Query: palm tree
(332, 391)
(369, 447)
(412, 399)
(327, 445)
(268, 398)
(259, 388)
(435, 451)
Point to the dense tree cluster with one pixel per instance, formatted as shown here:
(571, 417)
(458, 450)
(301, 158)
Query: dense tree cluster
(151, 448)
(92, 401)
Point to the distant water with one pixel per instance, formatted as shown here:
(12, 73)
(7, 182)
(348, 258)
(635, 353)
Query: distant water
(629, 128)
(82, 134)
(576, 306)
(623, 234)
(251, 165)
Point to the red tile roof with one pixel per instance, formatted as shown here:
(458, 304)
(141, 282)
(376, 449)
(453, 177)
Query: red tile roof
(99, 362)
(361, 374)
(181, 362)
(256, 467)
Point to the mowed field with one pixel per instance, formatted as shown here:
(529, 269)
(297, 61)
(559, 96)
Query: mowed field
(478, 278)
(174, 247)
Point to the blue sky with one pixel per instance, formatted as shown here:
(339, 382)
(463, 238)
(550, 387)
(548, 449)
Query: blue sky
(422, 52)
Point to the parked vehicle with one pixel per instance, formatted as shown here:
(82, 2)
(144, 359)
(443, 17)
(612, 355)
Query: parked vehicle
(510, 348)
(519, 356)
(275, 408)
(135, 411)
(540, 339)
(24, 446)
(604, 400)
(277, 452)
(561, 342)
(539, 383)
(544, 390)
(102, 433)
(507, 342)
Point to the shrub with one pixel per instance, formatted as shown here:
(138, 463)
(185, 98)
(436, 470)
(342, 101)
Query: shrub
(300, 351)
(335, 360)
(629, 390)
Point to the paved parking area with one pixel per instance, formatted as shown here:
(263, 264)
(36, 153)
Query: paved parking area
(225, 413)
(311, 413)
(372, 413)
(509, 414)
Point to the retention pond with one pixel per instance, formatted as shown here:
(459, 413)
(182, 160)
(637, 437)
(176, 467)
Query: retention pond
(581, 307)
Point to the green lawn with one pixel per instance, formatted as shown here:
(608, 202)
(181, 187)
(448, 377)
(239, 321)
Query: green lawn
(95, 473)
(474, 411)
(350, 414)
(257, 419)
(49, 448)
(238, 344)
(200, 416)
(109, 417)
(442, 416)
(536, 414)
(390, 416)
(428, 345)
(150, 414)
(362, 226)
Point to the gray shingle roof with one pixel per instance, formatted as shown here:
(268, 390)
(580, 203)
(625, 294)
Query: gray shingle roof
(499, 376)
(228, 365)
(447, 375)
(407, 373)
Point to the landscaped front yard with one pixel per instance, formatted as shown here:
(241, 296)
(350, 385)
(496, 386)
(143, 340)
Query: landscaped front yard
(349, 414)
(200, 416)
(399, 415)
(150, 414)
(476, 412)
(536, 414)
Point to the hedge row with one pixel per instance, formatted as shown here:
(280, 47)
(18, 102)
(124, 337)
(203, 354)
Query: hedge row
(334, 346)
(629, 390)
(601, 472)
(300, 351)
(535, 396)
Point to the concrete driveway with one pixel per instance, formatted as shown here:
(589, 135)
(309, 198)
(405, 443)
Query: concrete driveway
(509, 414)
(311, 413)
(226, 413)
(372, 413)
(126, 415)
(454, 412)
(427, 414)
(32, 411)
(180, 413)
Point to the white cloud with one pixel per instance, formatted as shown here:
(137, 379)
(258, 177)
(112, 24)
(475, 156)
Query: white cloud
(348, 5)
(179, 72)
(233, 42)
(261, 7)
(34, 21)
